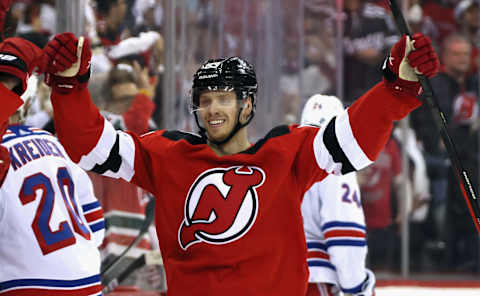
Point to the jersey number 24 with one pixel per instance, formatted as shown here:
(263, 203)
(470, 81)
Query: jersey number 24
(349, 198)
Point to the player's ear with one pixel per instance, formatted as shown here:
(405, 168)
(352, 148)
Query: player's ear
(246, 110)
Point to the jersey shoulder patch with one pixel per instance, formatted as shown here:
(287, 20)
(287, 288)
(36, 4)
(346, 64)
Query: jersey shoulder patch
(191, 138)
(275, 132)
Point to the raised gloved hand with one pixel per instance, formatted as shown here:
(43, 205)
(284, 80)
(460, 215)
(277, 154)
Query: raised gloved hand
(67, 62)
(19, 57)
(408, 58)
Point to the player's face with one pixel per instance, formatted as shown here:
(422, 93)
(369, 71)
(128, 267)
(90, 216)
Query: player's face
(218, 112)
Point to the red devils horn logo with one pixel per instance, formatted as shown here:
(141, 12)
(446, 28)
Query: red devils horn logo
(221, 206)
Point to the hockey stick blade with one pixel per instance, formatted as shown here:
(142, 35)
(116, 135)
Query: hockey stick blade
(441, 123)
(149, 258)
(149, 215)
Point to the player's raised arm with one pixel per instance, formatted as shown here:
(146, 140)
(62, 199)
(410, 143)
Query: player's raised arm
(355, 138)
(90, 140)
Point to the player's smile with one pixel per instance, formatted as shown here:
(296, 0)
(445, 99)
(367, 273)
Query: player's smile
(215, 123)
(218, 110)
(218, 127)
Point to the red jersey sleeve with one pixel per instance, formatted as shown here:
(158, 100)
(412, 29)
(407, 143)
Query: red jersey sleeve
(372, 115)
(93, 143)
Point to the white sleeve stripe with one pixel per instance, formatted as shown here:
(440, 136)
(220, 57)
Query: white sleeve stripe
(101, 151)
(127, 153)
(322, 155)
(349, 144)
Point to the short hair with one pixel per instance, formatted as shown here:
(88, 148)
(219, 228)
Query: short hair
(104, 6)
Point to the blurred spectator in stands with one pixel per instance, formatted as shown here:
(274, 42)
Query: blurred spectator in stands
(441, 13)
(420, 22)
(36, 22)
(467, 18)
(318, 69)
(367, 38)
(417, 187)
(129, 98)
(148, 15)
(462, 238)
(110, 21)
(380, 185)
(455, 89)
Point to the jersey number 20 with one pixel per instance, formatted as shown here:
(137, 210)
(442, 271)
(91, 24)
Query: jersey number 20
(49, 240)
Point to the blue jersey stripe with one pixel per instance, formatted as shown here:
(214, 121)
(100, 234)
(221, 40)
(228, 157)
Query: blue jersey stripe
(50, 283)
(320, 263)
(90, 206)
(343, 224)
(316, 245)
(346, 242)
(9, 138)
(97, 226)
(353, 290)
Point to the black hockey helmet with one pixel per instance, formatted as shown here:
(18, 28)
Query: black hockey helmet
(230, 74)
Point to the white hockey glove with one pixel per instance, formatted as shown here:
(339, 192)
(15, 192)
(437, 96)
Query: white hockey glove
(368, 285)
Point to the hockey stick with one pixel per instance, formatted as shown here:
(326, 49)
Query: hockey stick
(441, 123)
(149, 215)
(149, 258)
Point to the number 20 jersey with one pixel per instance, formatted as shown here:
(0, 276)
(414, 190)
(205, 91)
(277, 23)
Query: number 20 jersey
(50, 221)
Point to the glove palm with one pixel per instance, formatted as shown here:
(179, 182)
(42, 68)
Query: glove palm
(408, 58)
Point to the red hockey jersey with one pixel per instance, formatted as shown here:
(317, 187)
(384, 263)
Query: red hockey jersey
(231, 224)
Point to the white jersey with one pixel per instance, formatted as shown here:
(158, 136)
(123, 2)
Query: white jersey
(335, 231)
(51, 224)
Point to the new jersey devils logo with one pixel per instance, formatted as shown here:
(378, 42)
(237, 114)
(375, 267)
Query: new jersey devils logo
(221, 206)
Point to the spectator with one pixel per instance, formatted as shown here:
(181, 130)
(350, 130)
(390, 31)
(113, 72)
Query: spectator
(420, 22)
(367, 39)
(31, 26)
(110, 23)
(441, 13)
(417, 186)
(466, 15)
(457, 93)
(380, 185)
(148, 15)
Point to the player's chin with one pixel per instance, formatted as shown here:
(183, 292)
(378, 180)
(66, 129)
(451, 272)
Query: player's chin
(217, 136)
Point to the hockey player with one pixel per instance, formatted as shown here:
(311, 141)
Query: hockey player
(334, 222)
(50, 222)
(228, 211)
